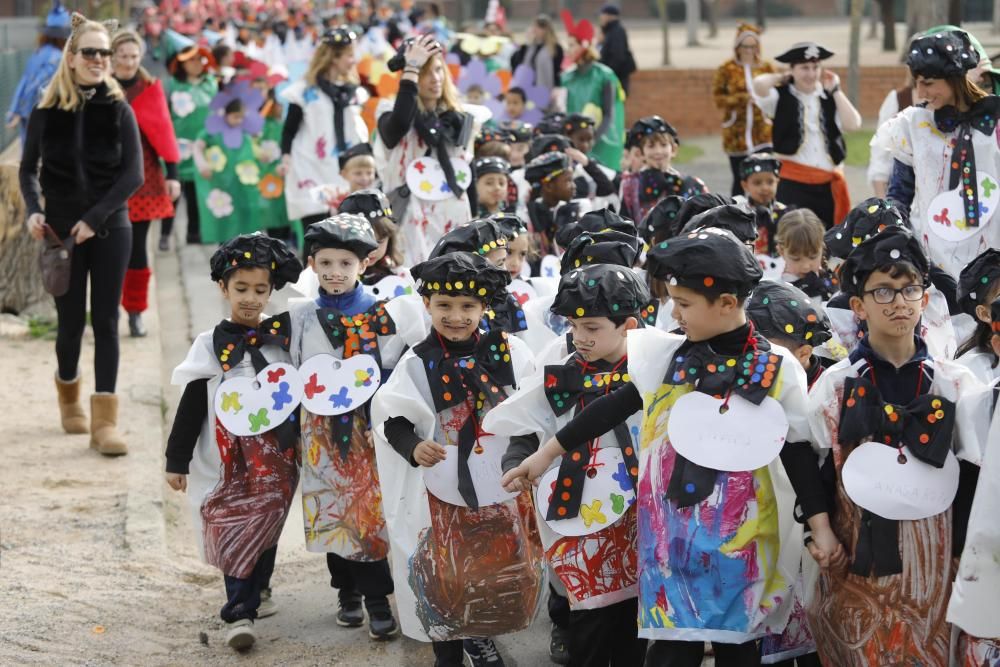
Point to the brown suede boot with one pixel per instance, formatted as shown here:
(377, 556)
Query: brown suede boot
(104, 435)
(74, 420)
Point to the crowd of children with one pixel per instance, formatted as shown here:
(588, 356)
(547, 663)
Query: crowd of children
(521, 376)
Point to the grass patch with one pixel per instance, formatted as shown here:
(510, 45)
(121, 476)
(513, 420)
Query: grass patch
(858, 150)
(688, 153)
(42, 328)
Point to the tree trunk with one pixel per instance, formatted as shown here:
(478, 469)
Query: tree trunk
(955, 12)
(854, 53)
(693, 19)
(928, 13)
(760, 13)
(889, 24)
(20, 279)
(712, 18)
(996, 16)
(661, 6)
(873, 22)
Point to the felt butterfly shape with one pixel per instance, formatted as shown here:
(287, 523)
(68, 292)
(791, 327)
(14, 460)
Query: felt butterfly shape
(313, 387)
(592, 513)
(340, 399)
(281, 397)
(258, 420)
(231, 401)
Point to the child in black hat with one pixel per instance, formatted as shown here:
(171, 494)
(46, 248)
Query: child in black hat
(887, 409)
(657, 142)
(594, 180)
(552, 174)
(681, 498)
(602, 303)
(760, 174)
(443, 506)
(240, 508)
(810, 113)
(374, 206)
(978, 287)
(341, 507)
(492, 176)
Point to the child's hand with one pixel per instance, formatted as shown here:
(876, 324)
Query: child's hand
(826, 549)
(177, 481)
(370, 438)
(577, 156)
(428, 453)
(282, 169)
(206, 173)
(526, 475)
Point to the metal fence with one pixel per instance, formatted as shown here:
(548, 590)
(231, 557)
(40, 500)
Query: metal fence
(18, 38)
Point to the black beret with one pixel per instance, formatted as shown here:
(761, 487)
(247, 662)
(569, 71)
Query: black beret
(662, 217)
(344, 230)
(248, 251)
(945, 55)
(976, 278)
(862, 222)
(339, 37)
(518, 130)
(510, 224)
(489, 135)
(779, 310)
(738, 219)
(490, 165)
(607, 247)
(548, 143)
(353, 152)
(708, 259)
(652, 125)
(803, 52)
(890, 246)
(565, 222)
(757, 163)
(610, 10)
(369, 203)
(461, 274)
(551, 123)
(578, 121)
(479, 236)
(600, 290)
(699, 204)
(545, 167)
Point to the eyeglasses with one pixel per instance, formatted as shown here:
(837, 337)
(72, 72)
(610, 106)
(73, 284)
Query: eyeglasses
(90, 53)
(886, 295)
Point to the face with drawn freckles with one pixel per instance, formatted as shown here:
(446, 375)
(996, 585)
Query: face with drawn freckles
(456, 318)
(247, 291)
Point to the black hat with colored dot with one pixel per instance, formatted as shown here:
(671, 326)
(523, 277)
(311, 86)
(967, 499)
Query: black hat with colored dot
(779, 310)
(600, 290)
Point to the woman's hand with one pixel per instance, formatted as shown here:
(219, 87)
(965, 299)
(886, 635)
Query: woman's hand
(13, 120)
(976, 74)
(428, 453)
(173, 189)
(420, 50)
(36, 226)
(829, 79)
(282, 169)
(81, 232)
(177, 481)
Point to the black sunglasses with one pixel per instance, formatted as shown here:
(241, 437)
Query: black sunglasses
(90, 53)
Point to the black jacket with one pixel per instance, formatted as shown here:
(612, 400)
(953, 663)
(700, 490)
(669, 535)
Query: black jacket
(91, 163)
(615, 52)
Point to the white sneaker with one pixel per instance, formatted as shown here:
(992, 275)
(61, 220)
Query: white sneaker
(240, 635)
(267, 606)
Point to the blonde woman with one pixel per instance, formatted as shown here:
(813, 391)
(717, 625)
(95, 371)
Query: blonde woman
(85, 136)
(425, 121)
(324, 120)
(155, 199)
(542, 52)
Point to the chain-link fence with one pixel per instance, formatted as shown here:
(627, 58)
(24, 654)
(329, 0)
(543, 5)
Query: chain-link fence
(17, 42)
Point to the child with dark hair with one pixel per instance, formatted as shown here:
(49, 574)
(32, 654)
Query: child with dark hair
(514, 101)
(760, 174)
(978, 287)
(716, 587)
(885, 419)
(240, 484)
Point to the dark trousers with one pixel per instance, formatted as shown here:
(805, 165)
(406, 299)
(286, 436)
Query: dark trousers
(355, 579)
(816, 198)
(606, 636)
(166, 226)
(448, 654)
(191, 206)
(104, 259)
(244, 594)
(138, 258)
(807, 660)
(690, 654)
(558, 609)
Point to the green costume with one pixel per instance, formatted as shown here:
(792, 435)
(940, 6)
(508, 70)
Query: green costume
(272, 211)
(585, 93)
(188, 110)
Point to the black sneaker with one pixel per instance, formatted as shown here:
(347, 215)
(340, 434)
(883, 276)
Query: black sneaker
(382, 625)
(164, 244)
(351, 614)
(558, 652)
(136, 329)
(482, 652)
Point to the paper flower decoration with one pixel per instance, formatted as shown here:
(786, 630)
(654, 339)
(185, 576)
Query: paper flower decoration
(254, 70)
(271, 186)
(248, 173)
(185, 148)
(181, 103)
(216, 158)
(219, 203)
(268, 151)
(475, 74)
(536, 98)
(253, 122)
